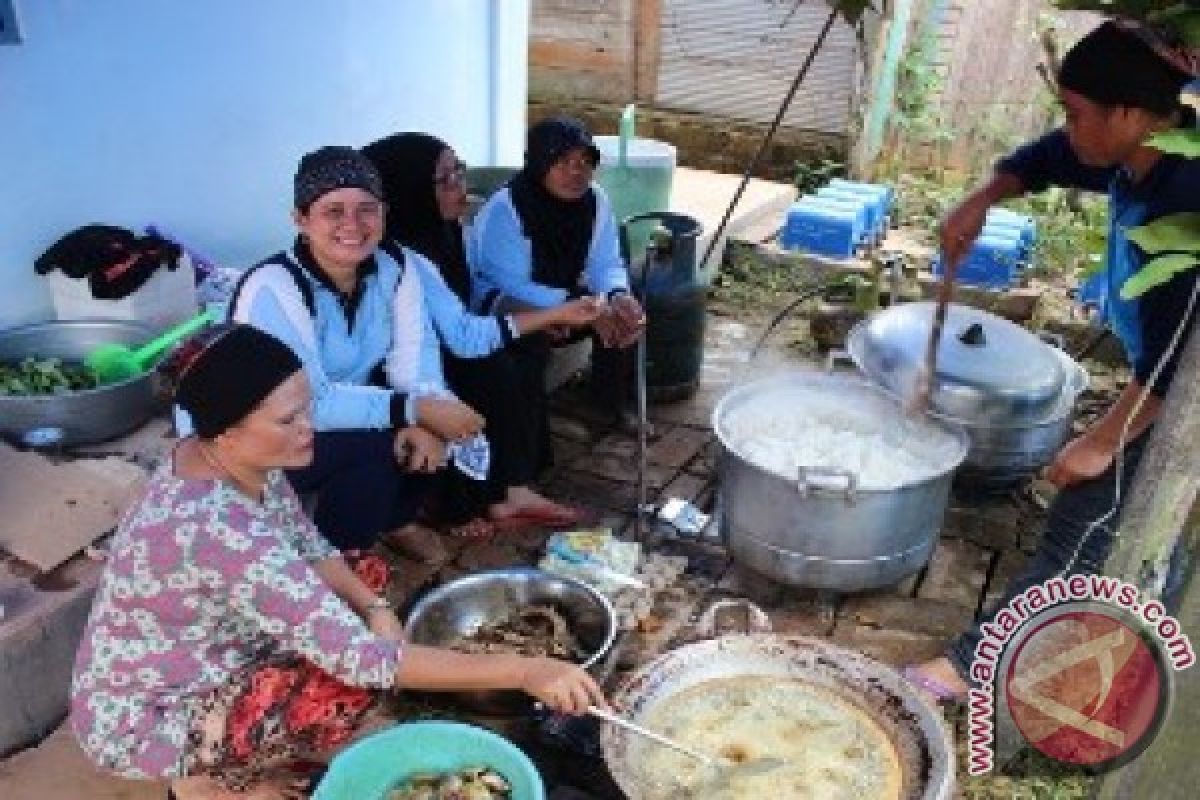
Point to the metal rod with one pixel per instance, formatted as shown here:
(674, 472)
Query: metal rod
(919, 403)
(770, 134)
(649, 734)
(639, 529)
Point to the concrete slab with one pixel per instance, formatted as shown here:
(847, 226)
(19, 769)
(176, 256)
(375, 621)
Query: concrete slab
(58, 770)
(52, 511)
(705, 196)
(38, 639)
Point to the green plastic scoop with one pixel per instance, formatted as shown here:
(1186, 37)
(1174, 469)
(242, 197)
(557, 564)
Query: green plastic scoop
(113, 363)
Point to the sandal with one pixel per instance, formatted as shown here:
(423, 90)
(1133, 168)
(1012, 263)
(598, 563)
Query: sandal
(932, 686)
(562, 517)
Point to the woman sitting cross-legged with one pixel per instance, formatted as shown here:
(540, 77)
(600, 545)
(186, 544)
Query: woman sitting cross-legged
(358, 317)
(424, 184)
(548, 236)
(229, 640)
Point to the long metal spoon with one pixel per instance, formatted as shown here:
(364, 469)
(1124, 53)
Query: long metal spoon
(633, 727)
(918, 404)
(727, 767)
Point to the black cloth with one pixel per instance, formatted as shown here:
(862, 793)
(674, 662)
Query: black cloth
(1114, 66)
(84, 250)
(559, 231)
(115, 262)
(407, 163)
(230, 376)
(503, 393)
(330, 168)
(610, 384)
(361, 490)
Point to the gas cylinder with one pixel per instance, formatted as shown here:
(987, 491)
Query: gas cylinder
(667, 282)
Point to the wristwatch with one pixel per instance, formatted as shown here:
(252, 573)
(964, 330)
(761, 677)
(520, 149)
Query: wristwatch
(378, 604)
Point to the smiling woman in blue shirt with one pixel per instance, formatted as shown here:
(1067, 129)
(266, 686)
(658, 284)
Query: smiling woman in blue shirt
(356, 314)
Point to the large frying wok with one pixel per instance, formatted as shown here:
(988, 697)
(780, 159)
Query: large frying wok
(915, 727)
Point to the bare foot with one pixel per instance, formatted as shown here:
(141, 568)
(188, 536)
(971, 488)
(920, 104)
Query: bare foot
(938, 678)
(520, 499)
(418, 542)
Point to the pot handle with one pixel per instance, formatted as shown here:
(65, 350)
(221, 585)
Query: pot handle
(45, 438)
(829, 479)
(836, 357)
(714, 622)
(1053, 339)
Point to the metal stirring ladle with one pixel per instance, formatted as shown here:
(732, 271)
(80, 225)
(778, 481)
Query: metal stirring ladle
(726, 766)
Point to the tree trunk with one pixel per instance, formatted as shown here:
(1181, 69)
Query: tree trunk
(1161, 500)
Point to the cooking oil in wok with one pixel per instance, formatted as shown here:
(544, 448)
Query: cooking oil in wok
(818, 745)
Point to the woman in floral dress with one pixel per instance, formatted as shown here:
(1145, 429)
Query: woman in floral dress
(229, 641)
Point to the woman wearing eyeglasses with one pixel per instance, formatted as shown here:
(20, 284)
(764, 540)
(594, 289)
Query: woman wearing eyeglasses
(548, 236)
(357, 316)
(424, 184)
(229, 642)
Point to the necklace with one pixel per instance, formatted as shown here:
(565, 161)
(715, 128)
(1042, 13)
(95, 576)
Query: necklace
(213, 460)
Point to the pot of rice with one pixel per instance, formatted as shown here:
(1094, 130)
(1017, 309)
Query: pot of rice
(825, 483)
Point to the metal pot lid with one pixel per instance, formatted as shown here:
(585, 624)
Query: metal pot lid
(988, 369)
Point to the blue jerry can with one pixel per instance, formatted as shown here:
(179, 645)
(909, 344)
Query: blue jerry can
(1012, 219)
(872, 202)
(824, 227)
(991, 263)
(880, 189)
(1002, 230)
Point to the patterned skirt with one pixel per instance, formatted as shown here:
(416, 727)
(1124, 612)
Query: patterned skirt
(279, 712)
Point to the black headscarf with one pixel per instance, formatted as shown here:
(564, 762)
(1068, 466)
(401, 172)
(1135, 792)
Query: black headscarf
(1115, 66)
(224, 374)
(331, 168)
(560, 231)
(407, 162)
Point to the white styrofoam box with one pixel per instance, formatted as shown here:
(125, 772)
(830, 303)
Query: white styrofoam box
(167, 297)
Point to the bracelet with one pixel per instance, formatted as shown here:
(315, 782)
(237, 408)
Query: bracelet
(378, 604)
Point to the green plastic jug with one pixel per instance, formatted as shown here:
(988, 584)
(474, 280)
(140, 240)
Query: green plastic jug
(636, 174)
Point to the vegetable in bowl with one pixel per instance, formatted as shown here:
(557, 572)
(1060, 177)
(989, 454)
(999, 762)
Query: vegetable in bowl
(36, 376)
(472, 783)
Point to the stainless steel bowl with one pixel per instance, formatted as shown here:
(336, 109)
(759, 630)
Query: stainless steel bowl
(75, 418)
(462, 606)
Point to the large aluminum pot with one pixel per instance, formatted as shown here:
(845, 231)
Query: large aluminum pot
(1005, 455)
(915, 727)
(462, 606)
(1011, 390)
(988, 369)
(821, 529)
(75, 418)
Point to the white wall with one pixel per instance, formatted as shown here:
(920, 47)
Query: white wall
(192, 114)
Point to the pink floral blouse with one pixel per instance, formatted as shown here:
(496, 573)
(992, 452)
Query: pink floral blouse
(200, 583)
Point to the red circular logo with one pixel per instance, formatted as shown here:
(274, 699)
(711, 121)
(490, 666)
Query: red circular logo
(1086, 689)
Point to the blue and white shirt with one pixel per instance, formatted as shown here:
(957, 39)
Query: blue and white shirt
(393, 321)
(501, 258)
